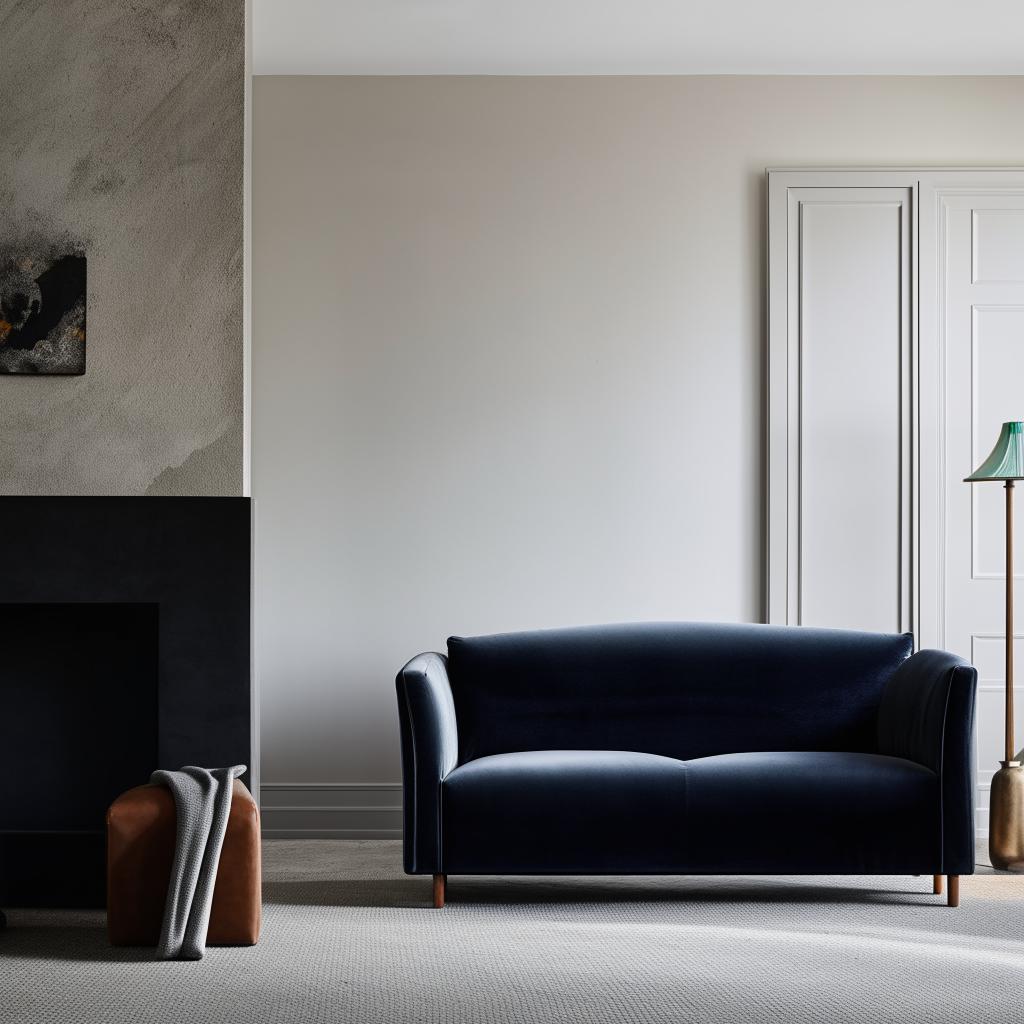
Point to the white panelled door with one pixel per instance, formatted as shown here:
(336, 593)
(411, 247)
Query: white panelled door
(978, 367)
(840, 430)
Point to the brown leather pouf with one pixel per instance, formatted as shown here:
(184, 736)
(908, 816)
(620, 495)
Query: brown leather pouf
(140, 847)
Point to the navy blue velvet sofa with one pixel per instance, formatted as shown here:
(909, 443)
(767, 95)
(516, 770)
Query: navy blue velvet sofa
(687, 748)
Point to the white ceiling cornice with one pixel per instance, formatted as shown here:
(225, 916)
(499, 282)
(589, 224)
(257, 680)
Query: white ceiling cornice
(638, 37)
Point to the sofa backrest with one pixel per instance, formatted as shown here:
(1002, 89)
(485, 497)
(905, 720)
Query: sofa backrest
(684, 690)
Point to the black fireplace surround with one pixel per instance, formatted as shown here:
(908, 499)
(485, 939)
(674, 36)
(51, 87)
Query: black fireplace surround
(126, 647)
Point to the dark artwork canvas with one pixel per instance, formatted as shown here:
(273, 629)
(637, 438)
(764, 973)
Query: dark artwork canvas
(42, 313)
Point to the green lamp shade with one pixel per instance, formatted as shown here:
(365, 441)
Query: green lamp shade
(1007, 459)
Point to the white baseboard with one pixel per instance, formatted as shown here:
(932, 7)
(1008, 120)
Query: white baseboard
(331, 810)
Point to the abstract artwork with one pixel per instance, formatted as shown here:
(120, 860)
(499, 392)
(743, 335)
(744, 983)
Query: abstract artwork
(42, 313)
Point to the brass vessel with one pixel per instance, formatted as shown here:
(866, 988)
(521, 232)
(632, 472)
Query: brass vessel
(1006, 817)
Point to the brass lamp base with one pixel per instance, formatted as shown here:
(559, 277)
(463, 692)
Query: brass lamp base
(1006, 817)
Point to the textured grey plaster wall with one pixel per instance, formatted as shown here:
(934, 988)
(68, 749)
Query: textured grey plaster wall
(121, 132)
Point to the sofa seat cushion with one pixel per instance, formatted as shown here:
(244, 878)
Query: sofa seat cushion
(805, 813)
(565, 811)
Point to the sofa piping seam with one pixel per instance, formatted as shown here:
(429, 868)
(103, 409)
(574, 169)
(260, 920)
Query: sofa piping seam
(942, 773)
(412, 741)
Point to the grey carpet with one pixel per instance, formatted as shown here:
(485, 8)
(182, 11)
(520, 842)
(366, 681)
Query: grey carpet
(347, 937)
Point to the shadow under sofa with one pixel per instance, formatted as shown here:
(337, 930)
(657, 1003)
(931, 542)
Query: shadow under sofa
(687, 748)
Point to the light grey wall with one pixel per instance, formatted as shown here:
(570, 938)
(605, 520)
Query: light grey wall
(508, 360)
(122, 131)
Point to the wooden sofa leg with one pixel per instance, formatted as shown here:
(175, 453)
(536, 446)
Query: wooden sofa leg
(440, 884)
(953, 899)
(937, 884)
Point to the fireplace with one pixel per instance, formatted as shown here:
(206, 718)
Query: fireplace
(126, 648)
(88, 673)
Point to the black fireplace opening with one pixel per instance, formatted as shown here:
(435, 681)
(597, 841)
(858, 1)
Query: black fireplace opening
(79, 685)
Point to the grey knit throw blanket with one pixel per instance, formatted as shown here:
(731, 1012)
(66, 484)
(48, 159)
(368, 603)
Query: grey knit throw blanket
(203, 802)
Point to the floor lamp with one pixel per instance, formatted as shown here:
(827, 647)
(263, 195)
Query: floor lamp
(1006, 798)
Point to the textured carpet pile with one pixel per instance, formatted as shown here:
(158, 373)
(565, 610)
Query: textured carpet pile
(348, 938)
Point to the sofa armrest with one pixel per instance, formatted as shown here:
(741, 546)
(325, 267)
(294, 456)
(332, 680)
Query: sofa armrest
(927, 716)
(430, 750)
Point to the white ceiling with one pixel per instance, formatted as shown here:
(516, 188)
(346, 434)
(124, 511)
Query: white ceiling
(637, 37)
